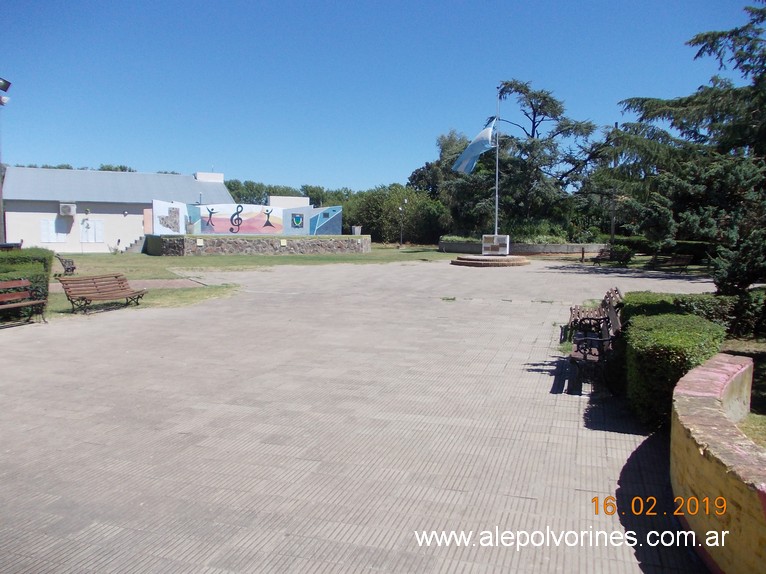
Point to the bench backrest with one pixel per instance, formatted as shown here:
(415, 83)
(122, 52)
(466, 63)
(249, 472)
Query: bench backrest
(101, 284)
(615, 324)
(21, 290)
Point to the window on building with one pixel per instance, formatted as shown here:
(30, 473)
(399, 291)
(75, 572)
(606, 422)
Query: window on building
(92, 230)
(51, 231)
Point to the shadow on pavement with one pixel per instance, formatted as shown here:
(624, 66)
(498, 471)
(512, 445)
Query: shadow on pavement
(644, 487)
(624, 272)
(644, 496)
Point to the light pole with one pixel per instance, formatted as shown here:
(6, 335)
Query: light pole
(4, 85)
(401, 223)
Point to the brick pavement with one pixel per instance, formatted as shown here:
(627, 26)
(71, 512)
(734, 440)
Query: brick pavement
(315, 420)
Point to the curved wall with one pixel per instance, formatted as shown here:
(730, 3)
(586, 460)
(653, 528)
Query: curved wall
(711, 458)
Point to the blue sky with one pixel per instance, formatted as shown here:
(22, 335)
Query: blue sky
(321, 93)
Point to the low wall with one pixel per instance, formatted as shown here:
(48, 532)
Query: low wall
(556, 248)
(460, 247)
(255, 245)
(525, 248)
(711, 458)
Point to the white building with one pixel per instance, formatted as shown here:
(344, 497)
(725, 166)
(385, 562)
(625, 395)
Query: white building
(85, 211)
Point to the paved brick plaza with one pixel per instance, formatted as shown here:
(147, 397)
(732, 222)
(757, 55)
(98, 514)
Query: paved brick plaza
(317, 419)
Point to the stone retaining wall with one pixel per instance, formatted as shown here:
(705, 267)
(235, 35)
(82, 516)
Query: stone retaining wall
(710, 458)
(255, 245)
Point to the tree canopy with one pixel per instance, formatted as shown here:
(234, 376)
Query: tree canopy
(714, 170)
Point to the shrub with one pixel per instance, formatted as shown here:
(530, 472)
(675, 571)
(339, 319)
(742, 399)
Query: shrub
(719, 309)
(749, 313)
(660, 350)
(536, 232)
(621, 253)
(637, 244)
(699, 250)
(459, 239)
(647, 303)
(742, 315)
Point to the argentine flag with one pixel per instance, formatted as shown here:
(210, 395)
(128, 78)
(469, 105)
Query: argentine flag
(481, 143)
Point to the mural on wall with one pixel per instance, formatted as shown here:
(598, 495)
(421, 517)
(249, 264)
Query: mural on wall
(168, 218)
(244, 219)
(239, 218)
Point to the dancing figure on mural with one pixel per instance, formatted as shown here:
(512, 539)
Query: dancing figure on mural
(268, 215)
(210, 213)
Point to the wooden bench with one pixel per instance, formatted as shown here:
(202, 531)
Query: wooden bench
(18, 294)
(67, 264)
(82, 291)
(674, 261)
(603, 255)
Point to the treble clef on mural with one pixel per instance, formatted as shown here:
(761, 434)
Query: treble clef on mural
(236, 220)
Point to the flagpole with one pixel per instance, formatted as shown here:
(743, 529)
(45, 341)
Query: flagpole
(497, 159)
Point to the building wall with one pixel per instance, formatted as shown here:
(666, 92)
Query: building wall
(107, 226)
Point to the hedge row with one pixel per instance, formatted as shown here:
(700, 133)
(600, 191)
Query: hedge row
(739, 315)
(661, 349)
(699, 250)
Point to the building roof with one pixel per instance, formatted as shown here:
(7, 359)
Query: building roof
(73, 185)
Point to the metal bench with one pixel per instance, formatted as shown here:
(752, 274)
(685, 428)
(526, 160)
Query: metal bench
(583, 318)
(603, 255)
(83, 291)
(18, 294)
(67, 264)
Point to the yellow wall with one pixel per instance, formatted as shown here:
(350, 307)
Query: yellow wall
(710, 457)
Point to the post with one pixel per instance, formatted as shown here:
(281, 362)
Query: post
(497, 160)
(614, 193)
(401, 223)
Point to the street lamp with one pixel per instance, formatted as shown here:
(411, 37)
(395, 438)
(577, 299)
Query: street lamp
(401, 223)
(4, 85)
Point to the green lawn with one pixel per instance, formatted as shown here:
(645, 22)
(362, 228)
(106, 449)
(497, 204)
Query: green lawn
(140, 266)
(58, 306)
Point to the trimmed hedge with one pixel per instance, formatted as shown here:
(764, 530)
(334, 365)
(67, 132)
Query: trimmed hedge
(660, 350)
(636, 244)
(647, 303)
(30, 254)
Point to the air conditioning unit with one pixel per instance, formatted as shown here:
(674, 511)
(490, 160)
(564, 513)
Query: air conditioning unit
(67, 208)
